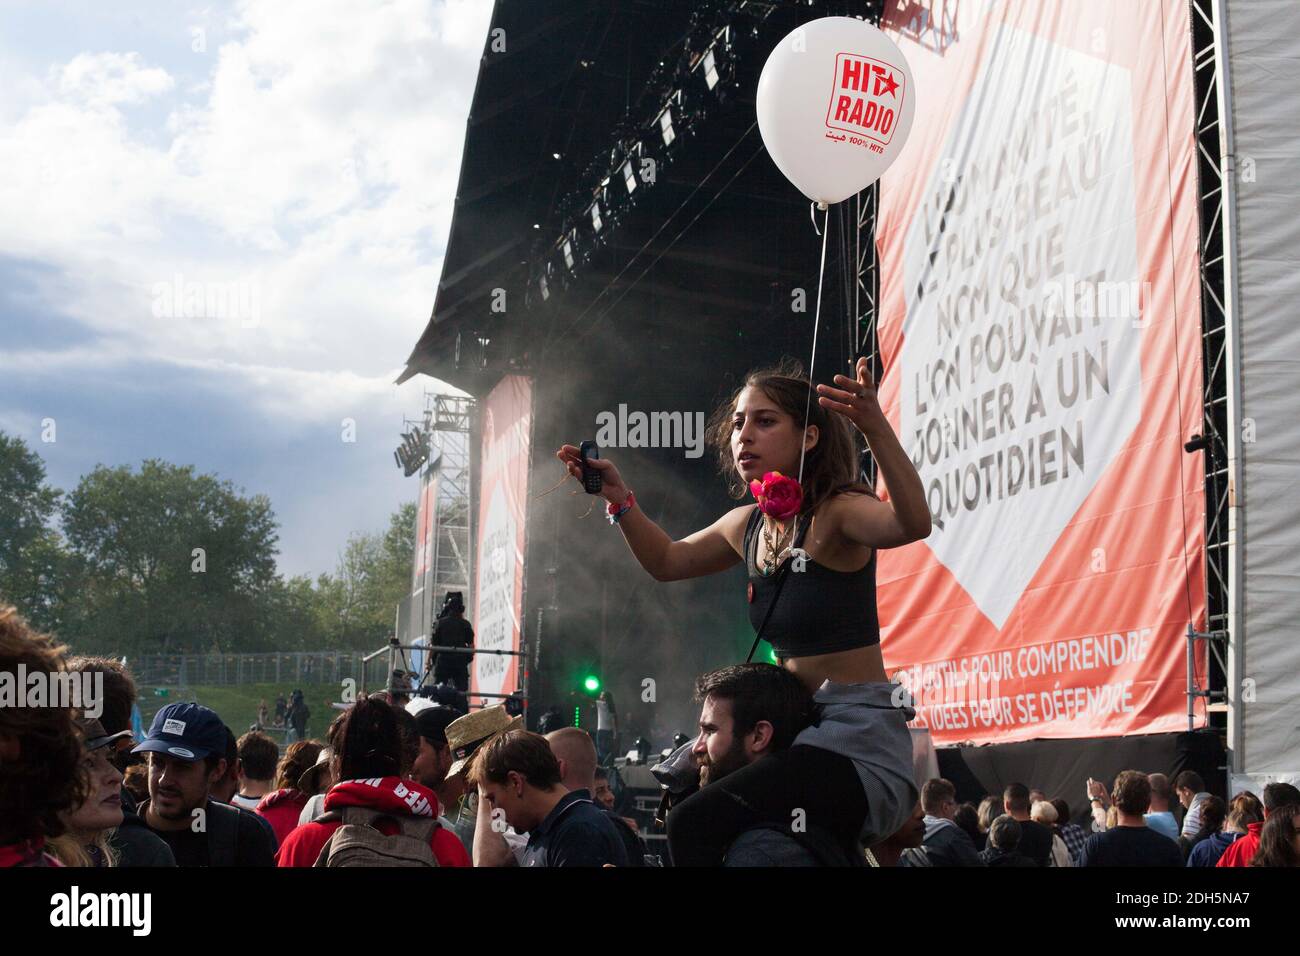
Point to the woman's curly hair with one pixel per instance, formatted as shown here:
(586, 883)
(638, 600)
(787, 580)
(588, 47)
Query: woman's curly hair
(45, 778)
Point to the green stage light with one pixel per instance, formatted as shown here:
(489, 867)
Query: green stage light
(591, 683)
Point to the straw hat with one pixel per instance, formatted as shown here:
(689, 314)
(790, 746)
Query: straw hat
(307, 779)
(466, 734)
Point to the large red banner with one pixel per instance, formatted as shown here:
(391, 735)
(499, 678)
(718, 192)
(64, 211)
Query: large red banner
(503, 499)
(1040, 330)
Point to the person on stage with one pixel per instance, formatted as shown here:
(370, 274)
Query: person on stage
(823, 532)
(452, 630)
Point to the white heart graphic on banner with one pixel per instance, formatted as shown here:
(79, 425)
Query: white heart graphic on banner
(1020, 374)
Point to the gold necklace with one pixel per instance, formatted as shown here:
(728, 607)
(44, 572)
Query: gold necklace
(772, 558)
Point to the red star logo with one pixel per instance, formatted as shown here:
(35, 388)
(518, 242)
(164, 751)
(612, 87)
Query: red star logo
(886, 84)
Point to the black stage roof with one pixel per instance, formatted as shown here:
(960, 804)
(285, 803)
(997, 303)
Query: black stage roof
(575, 79)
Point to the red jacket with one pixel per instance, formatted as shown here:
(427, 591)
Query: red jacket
(27, 853)
(1243, 849)
(282, 809)
(387, 794)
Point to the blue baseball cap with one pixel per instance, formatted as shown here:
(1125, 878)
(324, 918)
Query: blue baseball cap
(186, 731)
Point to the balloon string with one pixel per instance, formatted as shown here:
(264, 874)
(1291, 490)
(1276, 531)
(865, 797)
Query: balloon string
(812, 360)
(812, 214)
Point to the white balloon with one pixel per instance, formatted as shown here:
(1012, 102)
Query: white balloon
(835, 105)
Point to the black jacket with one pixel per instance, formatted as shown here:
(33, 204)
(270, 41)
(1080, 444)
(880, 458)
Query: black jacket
(945, 844)
(134, 843)
(995, 857)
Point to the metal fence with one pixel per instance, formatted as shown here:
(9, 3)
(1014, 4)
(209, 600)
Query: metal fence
(183, 670)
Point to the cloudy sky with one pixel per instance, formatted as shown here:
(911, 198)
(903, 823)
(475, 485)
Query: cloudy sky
(221, 229)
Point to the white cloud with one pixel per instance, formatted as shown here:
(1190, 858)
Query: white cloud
(318, 162)
(105, 79)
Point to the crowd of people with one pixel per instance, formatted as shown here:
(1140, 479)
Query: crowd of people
(1143, 820)
(426, 785)
(291, 715)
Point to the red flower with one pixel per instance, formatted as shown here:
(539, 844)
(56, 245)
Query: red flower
(778, 497)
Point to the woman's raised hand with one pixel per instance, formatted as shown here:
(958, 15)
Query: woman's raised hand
(855, 399)
(611, 482)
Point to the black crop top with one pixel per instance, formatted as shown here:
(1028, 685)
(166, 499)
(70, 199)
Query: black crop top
(820, 611)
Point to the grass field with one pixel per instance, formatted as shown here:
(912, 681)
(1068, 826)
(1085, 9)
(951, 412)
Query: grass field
(237, 704)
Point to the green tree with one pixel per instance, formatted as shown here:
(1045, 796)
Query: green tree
(294, 619)
(32, 560)
(169, 559)
(358, 603)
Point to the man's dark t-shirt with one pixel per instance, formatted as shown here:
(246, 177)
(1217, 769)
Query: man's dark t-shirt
(136, 844)
(253, 844)
(1035, 842)
(575, 833)
(1130, 846)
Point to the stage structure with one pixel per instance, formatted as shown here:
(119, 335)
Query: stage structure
(1256, 434)
(437, 448)
(440, 440)
(661, 289)
(441, 448)
(621, 242)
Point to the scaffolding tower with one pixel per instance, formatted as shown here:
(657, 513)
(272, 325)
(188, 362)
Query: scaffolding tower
(444, 562)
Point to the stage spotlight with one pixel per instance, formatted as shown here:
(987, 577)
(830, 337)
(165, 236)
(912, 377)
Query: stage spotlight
(545, 289)
(629, 177)
(666, 126)
(412, 452)
(710, 69)
(596, 221)
(568, 253)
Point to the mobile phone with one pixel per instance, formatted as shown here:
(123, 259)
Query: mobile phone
(590, 476)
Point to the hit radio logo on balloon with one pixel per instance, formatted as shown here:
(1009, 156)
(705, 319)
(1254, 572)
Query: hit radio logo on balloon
(866, 99)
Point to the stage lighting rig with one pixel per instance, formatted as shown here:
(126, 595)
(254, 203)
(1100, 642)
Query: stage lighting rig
(471, 347)
(413, 452)
(710, 68)
(683, 87)
(666, 126)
